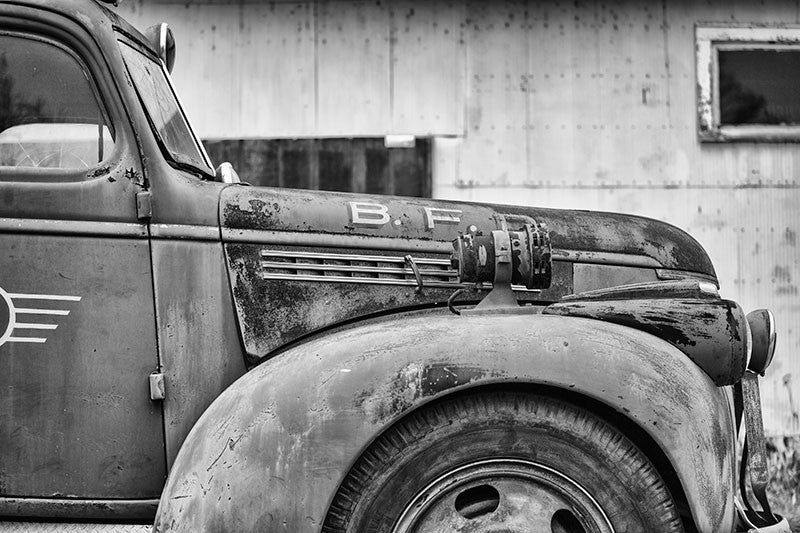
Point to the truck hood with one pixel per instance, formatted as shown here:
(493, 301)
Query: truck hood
(288, 251)
(384, 222)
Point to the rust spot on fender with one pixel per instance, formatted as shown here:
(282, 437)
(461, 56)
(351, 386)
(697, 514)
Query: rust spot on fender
(259, 215)
(417, 381)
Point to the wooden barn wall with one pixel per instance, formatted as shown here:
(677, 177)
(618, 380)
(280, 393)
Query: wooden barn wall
(586, 104)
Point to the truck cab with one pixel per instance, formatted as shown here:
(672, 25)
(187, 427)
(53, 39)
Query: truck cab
(179, 347)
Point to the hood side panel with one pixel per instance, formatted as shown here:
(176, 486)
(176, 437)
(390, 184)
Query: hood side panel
(251, 208)
(274, 312)
(300, 261)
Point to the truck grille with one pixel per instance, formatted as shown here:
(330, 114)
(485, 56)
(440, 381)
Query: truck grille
(352, 268)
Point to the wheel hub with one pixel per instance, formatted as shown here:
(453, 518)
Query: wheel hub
(503, 496)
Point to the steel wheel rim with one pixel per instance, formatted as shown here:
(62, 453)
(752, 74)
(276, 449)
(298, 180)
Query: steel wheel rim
(503, 496)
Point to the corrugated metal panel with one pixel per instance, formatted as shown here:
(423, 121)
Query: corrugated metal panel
(275, 91)
(564, 104)
(353, 67)
(597, 93)
(242, 69)
(494, 151)
(427, 70)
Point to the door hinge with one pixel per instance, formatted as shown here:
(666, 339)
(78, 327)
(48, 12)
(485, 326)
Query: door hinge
(144, 206)
(158, 389)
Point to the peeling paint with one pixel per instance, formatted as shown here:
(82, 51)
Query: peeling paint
(265, 209)
(708, 331)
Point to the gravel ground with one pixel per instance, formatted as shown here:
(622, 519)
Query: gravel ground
(783, 457)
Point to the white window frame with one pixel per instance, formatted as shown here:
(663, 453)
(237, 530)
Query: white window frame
(710, 38)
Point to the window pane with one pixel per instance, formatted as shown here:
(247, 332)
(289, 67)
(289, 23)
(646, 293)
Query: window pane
(759, 86)
(49, 115)
(163, 109)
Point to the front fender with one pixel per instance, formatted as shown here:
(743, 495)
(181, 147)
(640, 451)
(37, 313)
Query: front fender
(271, 451)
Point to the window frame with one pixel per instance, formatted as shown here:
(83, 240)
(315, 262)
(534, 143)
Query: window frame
(207, 173)
(65, 175)
(710, 39)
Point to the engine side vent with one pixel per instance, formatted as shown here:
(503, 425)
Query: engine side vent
(353, 268)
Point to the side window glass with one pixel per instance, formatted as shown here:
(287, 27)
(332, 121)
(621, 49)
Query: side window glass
(50, 117)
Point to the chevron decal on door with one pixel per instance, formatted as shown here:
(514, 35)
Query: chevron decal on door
(29, 318)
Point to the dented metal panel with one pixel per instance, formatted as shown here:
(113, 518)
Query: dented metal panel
(273, 448)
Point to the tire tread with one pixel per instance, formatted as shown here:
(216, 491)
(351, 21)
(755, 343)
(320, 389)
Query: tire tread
(542, 410)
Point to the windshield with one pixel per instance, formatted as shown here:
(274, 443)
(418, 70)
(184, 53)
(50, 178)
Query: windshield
(163, 110)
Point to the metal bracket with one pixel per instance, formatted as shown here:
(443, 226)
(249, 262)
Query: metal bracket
(501, 299)
(158, 389)
(415, 269)
(144, 205)
(759, 474)
(501, 296)
(755, 457)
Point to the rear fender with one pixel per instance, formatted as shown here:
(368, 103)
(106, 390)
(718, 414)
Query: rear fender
(271, 451)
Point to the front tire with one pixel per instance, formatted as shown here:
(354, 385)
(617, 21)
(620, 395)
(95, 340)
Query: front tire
(499, 461)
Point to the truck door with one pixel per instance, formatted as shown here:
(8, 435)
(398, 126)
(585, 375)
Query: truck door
(77, 328)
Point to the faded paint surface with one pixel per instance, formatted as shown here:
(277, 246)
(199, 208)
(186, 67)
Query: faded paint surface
(75, 419)
(199, 341)
(703, 462)
(588, 105)
(265, 209)
(252, 216)
(272, 449)
(710, 332)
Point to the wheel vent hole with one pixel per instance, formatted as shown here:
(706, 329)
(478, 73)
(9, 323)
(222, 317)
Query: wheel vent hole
(477, 501)
(566, 522)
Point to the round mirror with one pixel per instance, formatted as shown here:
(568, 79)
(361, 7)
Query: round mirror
(162, 40)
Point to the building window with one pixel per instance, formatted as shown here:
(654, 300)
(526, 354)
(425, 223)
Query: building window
(749, 83)
(363, 165)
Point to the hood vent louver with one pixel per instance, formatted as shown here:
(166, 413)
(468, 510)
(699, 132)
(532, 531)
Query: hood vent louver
(355, 268)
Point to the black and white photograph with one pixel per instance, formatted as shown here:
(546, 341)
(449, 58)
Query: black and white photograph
(399, 266)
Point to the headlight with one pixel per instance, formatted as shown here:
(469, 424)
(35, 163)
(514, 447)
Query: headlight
(762, 330)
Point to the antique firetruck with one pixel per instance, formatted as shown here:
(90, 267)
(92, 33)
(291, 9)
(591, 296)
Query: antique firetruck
(179, 347)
